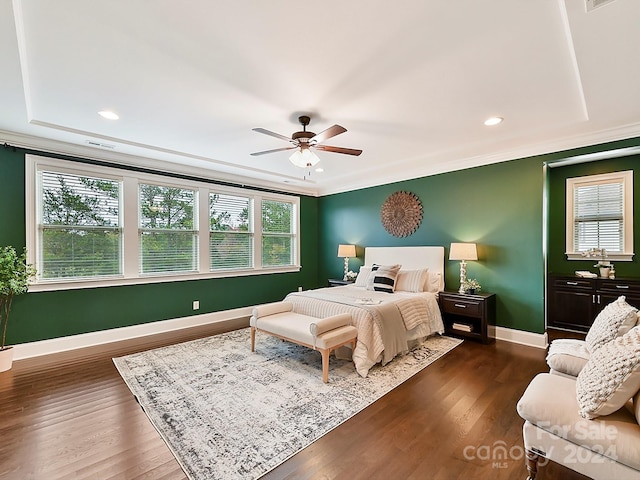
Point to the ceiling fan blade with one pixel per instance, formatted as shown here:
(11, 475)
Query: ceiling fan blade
(348, 151)
(273, 151)
(273, 134)
(328, 133)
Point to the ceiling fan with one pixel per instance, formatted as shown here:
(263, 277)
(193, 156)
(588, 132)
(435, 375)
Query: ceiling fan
(304, 141)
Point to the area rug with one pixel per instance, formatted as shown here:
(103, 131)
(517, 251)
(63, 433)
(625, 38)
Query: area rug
(227, 413)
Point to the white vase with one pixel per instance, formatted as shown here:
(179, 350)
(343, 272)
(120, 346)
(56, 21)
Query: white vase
(6, 359)
(604, 272)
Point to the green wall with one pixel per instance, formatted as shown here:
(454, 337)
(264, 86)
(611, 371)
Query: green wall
(45, 315)
(557, 260)
(500, 207)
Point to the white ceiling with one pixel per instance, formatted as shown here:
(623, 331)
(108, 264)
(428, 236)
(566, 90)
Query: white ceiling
(412, 82)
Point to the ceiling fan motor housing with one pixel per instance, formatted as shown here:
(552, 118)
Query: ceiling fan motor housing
(303, 136)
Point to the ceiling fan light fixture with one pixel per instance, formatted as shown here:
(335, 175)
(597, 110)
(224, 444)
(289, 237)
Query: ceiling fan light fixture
(304, 158)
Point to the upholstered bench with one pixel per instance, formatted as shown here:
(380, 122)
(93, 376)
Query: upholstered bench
(322, 334)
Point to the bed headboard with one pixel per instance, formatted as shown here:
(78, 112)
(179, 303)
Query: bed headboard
(411, 258)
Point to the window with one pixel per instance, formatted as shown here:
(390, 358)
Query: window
(91, 225)
(231, 237)
(600, 215)
(168, 235)
(278, 246)
(79, 232)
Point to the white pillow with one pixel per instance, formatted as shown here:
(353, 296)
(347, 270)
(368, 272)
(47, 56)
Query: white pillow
(412, 280)
(363, 276)
(614, 320)
(434, 282)
(610, 377)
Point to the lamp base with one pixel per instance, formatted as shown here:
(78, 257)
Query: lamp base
(346, 268)
(463, 276)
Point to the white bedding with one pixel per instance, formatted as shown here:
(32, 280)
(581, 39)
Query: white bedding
(386, 322)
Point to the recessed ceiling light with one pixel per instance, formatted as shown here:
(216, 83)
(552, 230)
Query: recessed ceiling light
(319, 169)
(109, 114)
(493, 121)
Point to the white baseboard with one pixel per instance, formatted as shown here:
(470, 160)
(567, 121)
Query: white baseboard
(64, 344)
(538, 340)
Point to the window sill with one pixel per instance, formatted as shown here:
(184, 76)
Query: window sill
(50, 286)
(621, 257)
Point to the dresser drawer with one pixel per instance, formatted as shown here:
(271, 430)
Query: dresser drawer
(574, 283)
(461, 307)
(620, 287)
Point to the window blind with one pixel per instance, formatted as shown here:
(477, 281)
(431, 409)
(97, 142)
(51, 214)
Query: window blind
(79, 232)
(230, 238)
(599, 217)
(168, 238)
(278, 245)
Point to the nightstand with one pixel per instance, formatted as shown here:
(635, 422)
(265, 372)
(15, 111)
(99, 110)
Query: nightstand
(467, 315)
(334, 282)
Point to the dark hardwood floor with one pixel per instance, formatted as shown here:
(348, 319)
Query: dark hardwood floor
(71, 416)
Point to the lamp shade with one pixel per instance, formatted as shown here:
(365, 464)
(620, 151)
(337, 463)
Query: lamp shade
(347, 251)
(463, 251)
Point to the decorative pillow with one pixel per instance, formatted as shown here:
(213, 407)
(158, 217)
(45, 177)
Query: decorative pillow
(412, 280)
(372, 275)
(384, 277)
(610, 377)
(614, 320)
(363, 276)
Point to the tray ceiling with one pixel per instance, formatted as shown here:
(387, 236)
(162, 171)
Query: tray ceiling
(412, 85)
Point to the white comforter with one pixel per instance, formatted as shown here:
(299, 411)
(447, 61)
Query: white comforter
(378, 316)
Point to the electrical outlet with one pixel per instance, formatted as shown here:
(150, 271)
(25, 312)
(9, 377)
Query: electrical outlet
(196, 304)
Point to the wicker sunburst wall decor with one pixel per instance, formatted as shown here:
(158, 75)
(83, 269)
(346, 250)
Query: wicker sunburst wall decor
(401, 214)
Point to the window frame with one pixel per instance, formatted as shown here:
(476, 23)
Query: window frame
(624, 177)
(130, 224)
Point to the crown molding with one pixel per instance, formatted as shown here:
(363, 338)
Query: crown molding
(46, 145)
(417, 168)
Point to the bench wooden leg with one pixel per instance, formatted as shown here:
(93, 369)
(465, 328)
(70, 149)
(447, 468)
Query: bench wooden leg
(325, 364)
(532, 464)
(253, 339)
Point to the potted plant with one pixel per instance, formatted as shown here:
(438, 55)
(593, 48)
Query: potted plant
(15, 275)
(471, 286)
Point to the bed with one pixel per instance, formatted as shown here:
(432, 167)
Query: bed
(388, 324)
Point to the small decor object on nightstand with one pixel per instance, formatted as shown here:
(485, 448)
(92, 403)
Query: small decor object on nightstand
(471, 286)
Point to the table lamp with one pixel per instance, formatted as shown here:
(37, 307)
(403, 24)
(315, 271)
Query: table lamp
(346, 251)
(463, 252)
